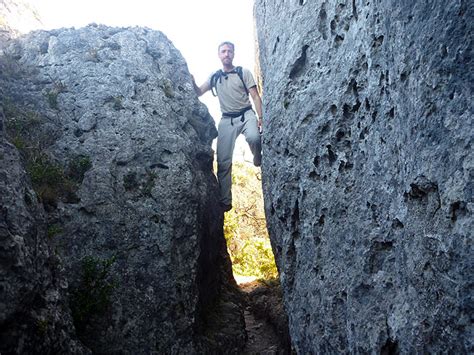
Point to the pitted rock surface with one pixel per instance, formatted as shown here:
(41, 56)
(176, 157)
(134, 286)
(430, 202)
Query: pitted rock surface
(34, 312)
(368, 169)
(119, 103)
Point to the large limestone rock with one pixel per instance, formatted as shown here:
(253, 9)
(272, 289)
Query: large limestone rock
(118, 148)
(368, 168)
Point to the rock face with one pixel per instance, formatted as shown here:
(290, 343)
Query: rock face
(118, 149)
(34, 315)
(368, 170)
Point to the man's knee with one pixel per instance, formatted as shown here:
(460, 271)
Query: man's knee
(253, 139)
(224, 165)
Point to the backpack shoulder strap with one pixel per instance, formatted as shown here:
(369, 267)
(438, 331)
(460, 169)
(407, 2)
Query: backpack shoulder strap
(214, 78)
(240, 73)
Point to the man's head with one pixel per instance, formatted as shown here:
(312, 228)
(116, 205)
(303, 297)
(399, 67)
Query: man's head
(226, 53)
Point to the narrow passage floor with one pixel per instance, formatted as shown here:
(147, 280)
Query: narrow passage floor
(265, 319)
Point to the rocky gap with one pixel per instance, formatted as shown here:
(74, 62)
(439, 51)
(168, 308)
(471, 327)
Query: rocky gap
(377, 242)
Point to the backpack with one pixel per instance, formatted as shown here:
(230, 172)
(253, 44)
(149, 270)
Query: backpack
(217, 76)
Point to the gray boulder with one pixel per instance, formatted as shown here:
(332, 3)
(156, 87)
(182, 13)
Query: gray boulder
(368, 172)
(34, 312)
(119, 151)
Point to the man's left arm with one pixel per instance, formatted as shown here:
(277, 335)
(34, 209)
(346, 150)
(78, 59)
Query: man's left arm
(257, 101)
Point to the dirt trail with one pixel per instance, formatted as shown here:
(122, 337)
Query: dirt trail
(261, 336)
(266, 323)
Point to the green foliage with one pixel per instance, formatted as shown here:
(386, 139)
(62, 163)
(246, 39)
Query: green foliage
(245, 227)
(48, 178)
(20, 124)
(54, 230)
(51, 182)
(93, 295)
(78, 166)
(43, 171)
(19, 143)
(52, 97)
(255, 258)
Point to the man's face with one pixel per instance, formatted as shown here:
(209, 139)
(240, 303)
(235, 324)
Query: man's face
(226, 54)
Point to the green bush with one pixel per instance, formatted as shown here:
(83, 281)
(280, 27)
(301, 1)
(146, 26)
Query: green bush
(20, 125)
(25, 130)
(93, 295)
(255, 258)
(245, 226)
(43, 171)
(19, 143)
(78, 166)
(48, 179)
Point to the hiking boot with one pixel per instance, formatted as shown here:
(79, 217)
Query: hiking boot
(226, 207)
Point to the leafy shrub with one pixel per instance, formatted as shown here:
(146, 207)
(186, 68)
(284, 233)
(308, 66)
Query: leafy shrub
(43, 171)
(20, 124)
(255, 258)
(93, 295)
(48, 179)
(78, 166)
(26, 130)
(245, 226)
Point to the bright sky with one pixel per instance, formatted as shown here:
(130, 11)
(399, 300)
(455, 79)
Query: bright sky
(195, 27)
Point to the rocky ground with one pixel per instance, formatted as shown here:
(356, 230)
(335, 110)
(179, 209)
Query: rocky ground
(265, 319)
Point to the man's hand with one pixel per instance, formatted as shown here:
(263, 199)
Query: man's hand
(257, 101)
(202, 89)
(196, 88)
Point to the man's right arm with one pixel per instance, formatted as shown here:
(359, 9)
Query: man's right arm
(201, 90)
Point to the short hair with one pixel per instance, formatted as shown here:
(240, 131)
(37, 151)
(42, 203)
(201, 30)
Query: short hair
(226, 43)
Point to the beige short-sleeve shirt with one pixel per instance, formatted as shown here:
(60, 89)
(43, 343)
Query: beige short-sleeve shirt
(231, 91)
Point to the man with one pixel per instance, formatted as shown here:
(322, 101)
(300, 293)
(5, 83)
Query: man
(233, 86)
